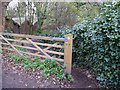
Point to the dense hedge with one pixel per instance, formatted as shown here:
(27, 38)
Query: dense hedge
(96, 45)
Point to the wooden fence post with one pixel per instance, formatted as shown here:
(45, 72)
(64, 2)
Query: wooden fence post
(68, 53)
(0, 22)
(0, 46)
(1, 17)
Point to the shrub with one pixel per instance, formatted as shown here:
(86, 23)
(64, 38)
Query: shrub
(96, 45)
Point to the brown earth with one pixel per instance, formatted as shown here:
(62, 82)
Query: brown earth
(14, 76)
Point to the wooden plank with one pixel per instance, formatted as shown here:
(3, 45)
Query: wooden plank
(1, 29)
(53, 52)
(68, 53)
(39, 48)
(48, 51)
(57, 59)
(11, 45)
(1, 17)
(35, 37)
(42, 44)
(50, 46)
(20, 46)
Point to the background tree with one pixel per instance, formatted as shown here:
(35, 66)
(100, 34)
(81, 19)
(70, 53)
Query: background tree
(52, 16)
(41, 12)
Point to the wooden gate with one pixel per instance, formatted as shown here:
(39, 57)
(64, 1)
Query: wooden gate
(41, 49)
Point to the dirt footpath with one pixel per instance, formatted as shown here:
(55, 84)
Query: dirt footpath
(14, 76)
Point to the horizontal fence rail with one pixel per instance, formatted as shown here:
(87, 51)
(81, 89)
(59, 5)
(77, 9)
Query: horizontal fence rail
(33, 36)
(59, 49)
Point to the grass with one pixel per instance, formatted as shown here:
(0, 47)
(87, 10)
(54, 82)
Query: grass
(48, 67)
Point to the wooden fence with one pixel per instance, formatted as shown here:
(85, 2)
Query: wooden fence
(12, 41)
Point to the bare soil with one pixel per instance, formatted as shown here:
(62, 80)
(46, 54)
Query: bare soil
(15, 76)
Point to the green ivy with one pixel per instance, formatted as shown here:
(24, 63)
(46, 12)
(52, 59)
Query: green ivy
(96, 45)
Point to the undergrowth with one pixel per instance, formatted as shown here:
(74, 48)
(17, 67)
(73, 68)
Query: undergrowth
(48, 67)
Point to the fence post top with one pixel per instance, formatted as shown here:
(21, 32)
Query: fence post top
(67, 35)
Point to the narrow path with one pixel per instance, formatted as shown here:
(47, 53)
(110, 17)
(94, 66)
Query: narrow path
(83, 79)
(16, 77)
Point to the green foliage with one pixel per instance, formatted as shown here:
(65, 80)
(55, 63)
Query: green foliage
(96, 45)
(17, 58)
(21, 49)
(70, 78)
(8, 30)
(89, 10)
(48, 67)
